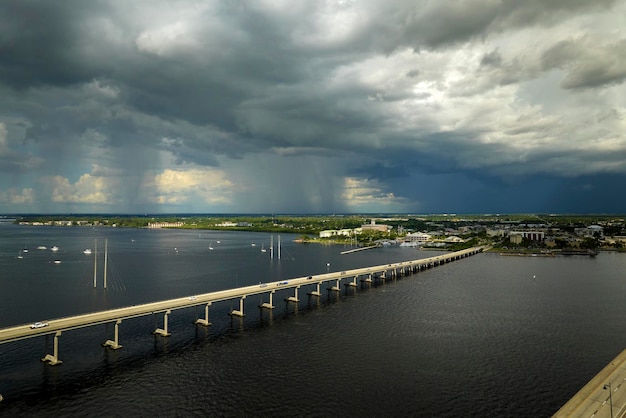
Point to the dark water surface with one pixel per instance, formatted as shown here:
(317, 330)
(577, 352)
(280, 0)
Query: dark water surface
(487, 336)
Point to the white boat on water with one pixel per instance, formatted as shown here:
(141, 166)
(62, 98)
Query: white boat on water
(54, 248)
(42, 247)
(87, 251)
(57, 261)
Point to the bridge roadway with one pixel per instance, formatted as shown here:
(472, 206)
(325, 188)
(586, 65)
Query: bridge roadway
(57, 326)
(604, 396)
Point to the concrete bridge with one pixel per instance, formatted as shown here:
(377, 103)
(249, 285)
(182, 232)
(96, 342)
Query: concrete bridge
(312, 283)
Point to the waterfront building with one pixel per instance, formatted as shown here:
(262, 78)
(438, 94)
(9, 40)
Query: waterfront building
(515, 238)
(529, 235)
(593, 231)
(417, 237)
(343, 232)
(157, 225)
(373, 226)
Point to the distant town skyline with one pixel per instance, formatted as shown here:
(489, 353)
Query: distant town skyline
(346, 106)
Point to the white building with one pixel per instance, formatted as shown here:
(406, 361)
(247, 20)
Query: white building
(417, 237)
(227, 224)
(343, 232)
(157, 225)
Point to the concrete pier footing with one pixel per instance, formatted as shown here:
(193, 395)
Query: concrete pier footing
(114, 344)
(205, 322)
(316, 292)
(53, 359)
(239, 312)
(336, 287)
(294, 298)
(269, 305)
(163, 331)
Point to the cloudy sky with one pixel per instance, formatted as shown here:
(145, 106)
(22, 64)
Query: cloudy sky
(283, 106)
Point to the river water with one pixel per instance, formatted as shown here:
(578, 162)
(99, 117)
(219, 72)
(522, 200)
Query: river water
(486, 336)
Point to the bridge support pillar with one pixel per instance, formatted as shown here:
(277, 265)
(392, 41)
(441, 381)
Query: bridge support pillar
(336, 287)
(294, 298)
(316, 292)
(115, 343)
(204, 321)
(163, 332)
(269, 305)
(53, 359)
(353, 282)
(240, 311)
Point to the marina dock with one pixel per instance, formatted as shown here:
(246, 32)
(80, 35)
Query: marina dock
(358, 249)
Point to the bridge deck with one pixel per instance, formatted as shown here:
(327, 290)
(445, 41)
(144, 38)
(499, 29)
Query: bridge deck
(594, 401)
(79, 321)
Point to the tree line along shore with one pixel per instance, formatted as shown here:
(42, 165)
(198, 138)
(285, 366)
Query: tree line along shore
(559, 232)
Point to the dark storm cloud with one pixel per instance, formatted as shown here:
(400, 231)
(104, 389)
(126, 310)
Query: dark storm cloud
(109, 87)
(242, 82)
(54, 46)
(12, 163)
(588, 63)
(445, 23)
(42, 43)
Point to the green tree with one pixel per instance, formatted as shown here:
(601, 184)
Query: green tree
(589, 243)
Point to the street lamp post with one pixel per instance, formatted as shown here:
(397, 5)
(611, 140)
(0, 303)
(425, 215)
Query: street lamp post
(608, 386)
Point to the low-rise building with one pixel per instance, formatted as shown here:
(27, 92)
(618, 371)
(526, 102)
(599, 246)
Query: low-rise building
(593, 231)
(417, 237)
(157, 225)
(515, 238)
(373, 226)
(530, 235)
(496, 233)
(227, 224)
(342, 232)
